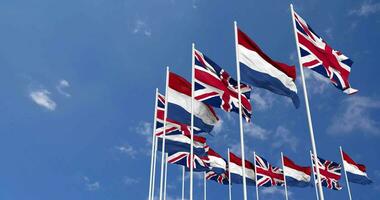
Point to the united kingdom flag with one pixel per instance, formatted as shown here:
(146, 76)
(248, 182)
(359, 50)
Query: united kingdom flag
(330, 173)
(221, 178)
(268, 175)
(317, 55)
(215, 87)
(172, 127)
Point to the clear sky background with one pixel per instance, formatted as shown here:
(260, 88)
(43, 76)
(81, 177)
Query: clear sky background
(77, 88)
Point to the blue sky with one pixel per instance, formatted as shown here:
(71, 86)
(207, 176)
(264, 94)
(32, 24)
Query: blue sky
(78, 80)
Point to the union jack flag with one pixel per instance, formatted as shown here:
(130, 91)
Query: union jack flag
(221, 178)
(183, 158)
(317, 55)
(268, 175)
(215, 87)
(330, 173)
(172, 127)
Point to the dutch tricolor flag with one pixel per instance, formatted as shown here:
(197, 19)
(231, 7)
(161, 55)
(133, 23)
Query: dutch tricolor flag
(296, 175)
(356, 173)
(236, 170)
(259, 70)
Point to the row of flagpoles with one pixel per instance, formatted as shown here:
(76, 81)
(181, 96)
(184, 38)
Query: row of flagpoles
(211, 86)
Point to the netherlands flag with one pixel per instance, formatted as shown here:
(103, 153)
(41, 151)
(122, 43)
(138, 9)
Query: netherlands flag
(296, 175)
(356, 173)
(179, 105)
(236, 170)
(258, 69)
(216, 162)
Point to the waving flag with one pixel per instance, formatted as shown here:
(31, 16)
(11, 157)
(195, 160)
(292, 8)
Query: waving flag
(215, 87)
(179, 105)
(330, 173)
(356, 173)
(216, 162)
(268, 175)
(221, 178)
(172, 127)
(258, 69)
(236, 170)
(317, 55)
(296, 175)
(178, 149)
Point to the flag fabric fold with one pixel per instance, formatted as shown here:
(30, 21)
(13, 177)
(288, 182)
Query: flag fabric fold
(330, 173)
(259, 70)
(214, 86)
(268, 175)
(236, 170)
(356, 173)
(296, 175)
(318, 56)
(179, 105)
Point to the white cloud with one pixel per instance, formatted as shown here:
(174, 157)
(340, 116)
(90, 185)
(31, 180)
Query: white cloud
(262, 100)
(145, 129)
(283, 137)
(127, 149)
(61, 86)
(41, 98)
(274, 190)
(316, 83)
(141, 27)
(256, 131)
(367, 8)
(91, 186)
(218, 127)
(355, 114)
(130, 180)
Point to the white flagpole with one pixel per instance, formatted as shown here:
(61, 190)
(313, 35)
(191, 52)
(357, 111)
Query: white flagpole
(192, 122)
(314, 148)
(151, 188)
(229, 176)
(204, 187)
(154, 167)
(166, 174)
(345, 174)
(240, 112)
(314, 181)
(254, 164)
(183, 182)
(286, 189)
(164, 134)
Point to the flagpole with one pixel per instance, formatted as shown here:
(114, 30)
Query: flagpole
(192, 121)
(314, 148)
(257, 187)
(164, 134)
(345, 174)
(166, 174)
(154, 167)
(229, 177)
(183, 182)
(240, 112)
(151, 188)
(204, 186)
(283, 171)
(314, 182)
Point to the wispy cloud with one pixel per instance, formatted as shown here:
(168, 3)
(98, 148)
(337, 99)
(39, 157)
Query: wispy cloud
(63, 84)
(145, 129)
(130, 181)
(127, 149)
(274, 190)
(283, 137)
(141, 27)
(262, 100)
(366, 8)
(316, 82)
(41, 97)
(355, 114)
(91, 186)
(256, 131)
